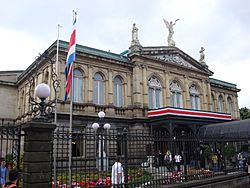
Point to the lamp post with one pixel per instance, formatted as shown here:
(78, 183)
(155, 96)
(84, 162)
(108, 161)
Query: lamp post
(42, 109)
(101, 153)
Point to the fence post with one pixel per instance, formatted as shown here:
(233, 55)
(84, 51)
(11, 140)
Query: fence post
(184, 154)
(125, 146)
(38, 154)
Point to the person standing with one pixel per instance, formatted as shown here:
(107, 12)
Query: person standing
(117, 173)
(3, 173)
(215, 162)
(168, 159)
(13, 178)
(177, 159)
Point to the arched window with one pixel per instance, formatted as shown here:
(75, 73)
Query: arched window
(154, 93)
(194, 97)
(176, 94)
(99, 89)
(118, 92)
(229, 105)
(78, 86)
(220, 103)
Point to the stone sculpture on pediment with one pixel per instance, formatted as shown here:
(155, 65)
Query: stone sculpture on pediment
(173, 58)
(170, 27)
(202, 56)
(135, 40)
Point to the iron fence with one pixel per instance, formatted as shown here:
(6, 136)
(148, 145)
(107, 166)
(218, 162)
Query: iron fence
(149, 157)
(10, 146)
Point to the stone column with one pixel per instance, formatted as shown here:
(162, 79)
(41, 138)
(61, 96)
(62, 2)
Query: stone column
(186, 101)
(137, 89)
(145, 86)
(128, 91)
(237, 111)
(168, 98)
(38, 155)
(90, 84)
(110, 88)
(204, 96)
(210, 101)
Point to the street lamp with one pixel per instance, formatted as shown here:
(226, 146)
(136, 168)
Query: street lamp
(42, 109)
(101, 153)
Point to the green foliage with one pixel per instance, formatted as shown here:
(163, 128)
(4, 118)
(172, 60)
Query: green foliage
(229, 150)
(9, 158)
(244, 113)
(207, 151)
(138, 175)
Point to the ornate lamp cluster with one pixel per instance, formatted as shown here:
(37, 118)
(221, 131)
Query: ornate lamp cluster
(43, 108)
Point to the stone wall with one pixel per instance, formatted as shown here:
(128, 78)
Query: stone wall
(8, 96)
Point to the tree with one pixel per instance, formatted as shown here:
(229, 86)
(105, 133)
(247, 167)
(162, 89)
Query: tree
(244, 113)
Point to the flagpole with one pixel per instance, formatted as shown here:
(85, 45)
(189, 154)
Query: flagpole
(70, 127)
(56, 95)
(57, 54)
(71, 113)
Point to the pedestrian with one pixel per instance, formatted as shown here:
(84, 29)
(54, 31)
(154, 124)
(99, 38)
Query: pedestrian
(168, 159)
(215, 162)
(117, 173)
(3, 173)
(13, 178)
(177, 159)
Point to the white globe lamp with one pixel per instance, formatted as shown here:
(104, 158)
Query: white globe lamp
(42, 91)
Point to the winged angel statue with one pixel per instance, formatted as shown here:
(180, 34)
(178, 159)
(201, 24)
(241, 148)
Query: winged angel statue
(170, 26)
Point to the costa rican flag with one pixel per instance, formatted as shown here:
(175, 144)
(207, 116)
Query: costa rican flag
(70, 59)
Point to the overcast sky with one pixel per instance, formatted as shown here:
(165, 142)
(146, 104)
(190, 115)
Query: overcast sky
(222, 27)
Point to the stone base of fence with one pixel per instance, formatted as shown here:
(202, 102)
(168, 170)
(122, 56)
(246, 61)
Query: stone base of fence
(37, 154)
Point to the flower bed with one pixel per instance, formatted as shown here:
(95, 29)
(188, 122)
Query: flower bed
(177, 177)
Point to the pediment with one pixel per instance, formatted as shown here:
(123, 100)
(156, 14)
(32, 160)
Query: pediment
(174, 56)
(175, 59)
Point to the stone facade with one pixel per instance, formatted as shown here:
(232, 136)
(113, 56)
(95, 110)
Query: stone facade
(166, 64)
(8, 94)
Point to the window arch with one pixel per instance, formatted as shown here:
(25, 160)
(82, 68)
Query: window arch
(154, 93)
(118, 92)
(194, 97)
(77, 86)
(176, 94)
(220, 103)
(230, 105)
(99, 89)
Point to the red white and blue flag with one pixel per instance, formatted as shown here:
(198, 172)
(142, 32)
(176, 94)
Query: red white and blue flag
(70, 59)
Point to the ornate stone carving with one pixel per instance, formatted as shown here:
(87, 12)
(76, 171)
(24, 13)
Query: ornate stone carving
(170, 27)
(175, 59)
(135, 40)
(174, 86)
(193, 90)
(154, 82)
(202, 56)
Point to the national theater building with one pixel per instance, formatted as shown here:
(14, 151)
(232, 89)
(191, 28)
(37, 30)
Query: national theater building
(144, 87)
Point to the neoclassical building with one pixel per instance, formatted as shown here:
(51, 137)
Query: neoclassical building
(157, 87)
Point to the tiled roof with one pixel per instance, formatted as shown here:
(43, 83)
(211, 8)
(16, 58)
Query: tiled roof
(222, 83)
(97, 52)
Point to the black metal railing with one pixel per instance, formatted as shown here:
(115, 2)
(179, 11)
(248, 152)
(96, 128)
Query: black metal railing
(149, 158)
(10, 146)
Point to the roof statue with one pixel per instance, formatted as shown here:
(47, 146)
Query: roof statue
(170, 27)
(135, 40)
(135, 46)
(202, 56)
